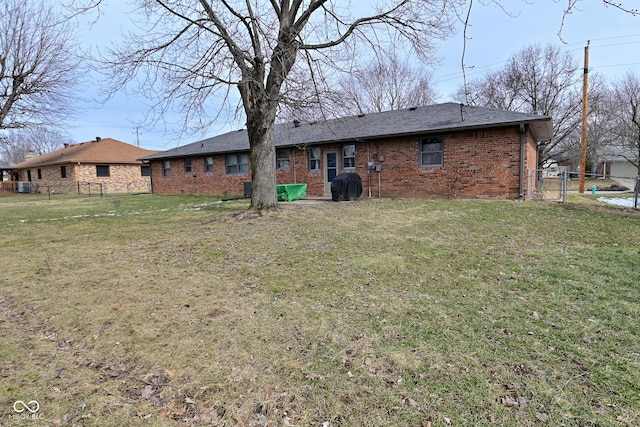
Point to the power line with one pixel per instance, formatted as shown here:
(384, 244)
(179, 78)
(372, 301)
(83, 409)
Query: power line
(617, 65)
(493, 66)
(583, 42)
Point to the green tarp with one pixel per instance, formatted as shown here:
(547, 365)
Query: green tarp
(290, 192)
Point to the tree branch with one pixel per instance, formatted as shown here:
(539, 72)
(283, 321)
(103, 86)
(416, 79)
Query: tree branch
(382, 18)
(634, 12)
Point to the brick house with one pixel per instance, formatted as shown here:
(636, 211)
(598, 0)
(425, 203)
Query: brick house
(99, 166)
(444, 150)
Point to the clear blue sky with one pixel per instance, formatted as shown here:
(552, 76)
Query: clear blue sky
(493, 36)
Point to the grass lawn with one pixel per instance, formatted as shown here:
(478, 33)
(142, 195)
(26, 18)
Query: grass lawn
(161, 311)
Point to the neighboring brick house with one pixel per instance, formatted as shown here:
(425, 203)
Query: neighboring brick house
(104, 165)
(444, 150)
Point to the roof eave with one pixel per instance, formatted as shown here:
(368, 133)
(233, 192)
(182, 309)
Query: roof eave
(542, 130)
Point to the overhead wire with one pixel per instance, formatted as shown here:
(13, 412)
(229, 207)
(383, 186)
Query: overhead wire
(476, 70)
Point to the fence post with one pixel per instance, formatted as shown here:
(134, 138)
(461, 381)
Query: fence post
(636, 190)
(564, 187)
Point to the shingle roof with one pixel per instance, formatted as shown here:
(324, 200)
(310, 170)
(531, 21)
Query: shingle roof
(618, 154)
(105, 151)
(411, 121)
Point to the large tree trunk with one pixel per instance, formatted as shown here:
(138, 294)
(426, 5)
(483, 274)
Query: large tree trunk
(260, 99)
(263, 164)
(261, 118)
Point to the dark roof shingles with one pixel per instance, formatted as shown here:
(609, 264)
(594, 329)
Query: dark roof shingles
(432, 118)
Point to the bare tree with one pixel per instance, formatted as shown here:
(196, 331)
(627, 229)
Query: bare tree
(38, 140)
(39, 66)
(601, 120)
(191, 52)
(386, 83)
(626, 104)
(538, 80)
(389, 83)
(13, 150)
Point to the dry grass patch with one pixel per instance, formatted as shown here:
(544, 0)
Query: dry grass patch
(156, 310)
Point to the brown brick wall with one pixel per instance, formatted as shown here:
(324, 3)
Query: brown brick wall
(197, 182)
(82, 178)
(477, 164)
(51, 177)
(122, 179)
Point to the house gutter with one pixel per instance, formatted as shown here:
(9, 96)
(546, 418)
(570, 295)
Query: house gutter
(523, 144)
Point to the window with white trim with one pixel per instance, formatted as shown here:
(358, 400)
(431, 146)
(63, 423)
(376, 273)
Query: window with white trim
(314, 159)
(349, 156)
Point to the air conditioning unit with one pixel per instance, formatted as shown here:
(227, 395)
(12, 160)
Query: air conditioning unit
(24, 187)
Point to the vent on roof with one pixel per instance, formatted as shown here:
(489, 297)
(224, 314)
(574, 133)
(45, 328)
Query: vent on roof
(296, 123)
(412, 108)
(361, 115)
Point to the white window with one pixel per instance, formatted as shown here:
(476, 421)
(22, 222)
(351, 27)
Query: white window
(349, 156)
(314, 159)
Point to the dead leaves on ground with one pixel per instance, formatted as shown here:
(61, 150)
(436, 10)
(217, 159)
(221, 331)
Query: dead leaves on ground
(170, 402)
(515, 400)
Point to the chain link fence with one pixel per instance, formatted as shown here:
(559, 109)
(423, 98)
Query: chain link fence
(542, 186)
(100, 189)
(636, 190)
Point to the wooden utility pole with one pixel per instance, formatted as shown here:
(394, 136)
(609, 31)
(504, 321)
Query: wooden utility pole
(585, 109)
(137, 133)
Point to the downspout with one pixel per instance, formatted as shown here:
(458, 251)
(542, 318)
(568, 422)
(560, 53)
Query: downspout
(368, 168)
(295, 174)
(523, 146)
(148, 162)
